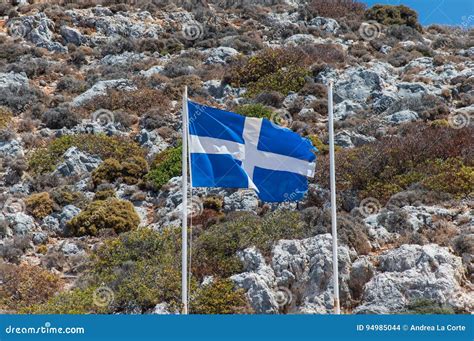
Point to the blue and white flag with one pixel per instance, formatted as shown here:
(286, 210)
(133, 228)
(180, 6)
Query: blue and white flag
(230, 150)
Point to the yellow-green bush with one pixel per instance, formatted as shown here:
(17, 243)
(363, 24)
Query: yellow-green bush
(104, 194)
(219, 297)
(76, 301)
(428, 307)
(450, 176)
(142, 267)
(215, 249)
(25, 285)
(131, 171)
(5, 117)
(254, 110)
(45, 159)
(283, 81)
(394, 15)
(278, 69)
(39, 205)
(166, 165)
(111, 213)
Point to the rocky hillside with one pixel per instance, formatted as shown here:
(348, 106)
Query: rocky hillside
(90, 100)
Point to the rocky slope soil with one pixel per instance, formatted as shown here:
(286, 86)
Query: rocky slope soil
(90, 100)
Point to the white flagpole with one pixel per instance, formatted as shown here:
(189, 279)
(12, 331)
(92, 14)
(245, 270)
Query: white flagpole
(332, 171)
(184, 231)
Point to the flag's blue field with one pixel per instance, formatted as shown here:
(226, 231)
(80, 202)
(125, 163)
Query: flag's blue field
(234, 151)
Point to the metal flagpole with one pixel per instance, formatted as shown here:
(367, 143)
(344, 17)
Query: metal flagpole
(184, 231)
(332, 171)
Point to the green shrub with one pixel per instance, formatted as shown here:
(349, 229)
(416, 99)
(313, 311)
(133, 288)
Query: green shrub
(130, 171)
(283, 81)
(219, 297)
(45, 160)
(5, 117)
(135, 102)
(104, 194)
(322, 148)
(25, 285)
(450, 176)
(394, 15)
(65, 195)
(428, 307)
(112, 213)
(39, 205)
(166, 165)
(76, 301)
(280, 70)
(143, 268)
(215, 249)
(254, 110)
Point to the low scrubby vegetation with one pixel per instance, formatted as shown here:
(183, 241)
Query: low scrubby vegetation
(395, 163)
(45, 159)
(117, 215)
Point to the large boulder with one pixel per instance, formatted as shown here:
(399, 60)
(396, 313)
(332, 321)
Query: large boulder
(13, 81)
(220, 55)
(298, 279)
(258, 282)
(325, 24)
(37, 29)
(357, 84)
(351, 139)
(414, 272)
(20, 223)
(100, 89)
(77, 162)
(72, 36)
(12, 149)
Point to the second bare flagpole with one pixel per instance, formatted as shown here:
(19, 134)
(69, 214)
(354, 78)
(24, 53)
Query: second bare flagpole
(332, 176)
(184, 231)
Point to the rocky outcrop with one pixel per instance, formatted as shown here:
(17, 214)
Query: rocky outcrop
(414, 272)
(298, 279)
(100, 89)
(38, 29)
(77, 162)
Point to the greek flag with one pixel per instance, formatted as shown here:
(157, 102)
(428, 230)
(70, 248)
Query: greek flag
(234, 151)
